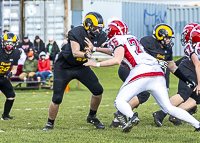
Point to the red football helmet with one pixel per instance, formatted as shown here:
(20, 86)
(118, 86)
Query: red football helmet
(116, 27)
(195, 35)
(122, 24)
(185, 35)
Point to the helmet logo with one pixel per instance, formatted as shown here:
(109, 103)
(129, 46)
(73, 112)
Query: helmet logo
(163, 27)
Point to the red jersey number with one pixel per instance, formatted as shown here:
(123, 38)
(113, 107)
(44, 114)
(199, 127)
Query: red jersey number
(136, 43)
(187, 50)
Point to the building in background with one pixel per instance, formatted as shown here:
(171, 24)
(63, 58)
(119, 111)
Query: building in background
(54, 18)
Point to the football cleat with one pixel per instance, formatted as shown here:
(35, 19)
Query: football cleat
(134, 120)
(49, 126)
(115, 124)
(157, 118)
(197, 129)
(175, 121)
(93, 120)
(6, 117)
(121, 118)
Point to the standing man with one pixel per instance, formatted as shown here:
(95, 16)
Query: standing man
(69, 65)
(52, 49)
(145, 75)
(9, 57)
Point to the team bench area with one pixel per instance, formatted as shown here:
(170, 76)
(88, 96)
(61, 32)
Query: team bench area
(23, 85)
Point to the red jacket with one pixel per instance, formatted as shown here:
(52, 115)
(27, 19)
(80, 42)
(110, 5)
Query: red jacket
(44, 65)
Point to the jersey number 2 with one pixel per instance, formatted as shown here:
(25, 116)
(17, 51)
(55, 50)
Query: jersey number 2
(134, 42)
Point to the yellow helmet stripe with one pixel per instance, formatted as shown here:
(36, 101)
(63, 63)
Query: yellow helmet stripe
(5, 37)
(163, 27)
(94, 20)
(14, 38)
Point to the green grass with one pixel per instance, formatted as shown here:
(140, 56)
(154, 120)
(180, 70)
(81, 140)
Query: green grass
(30, 112)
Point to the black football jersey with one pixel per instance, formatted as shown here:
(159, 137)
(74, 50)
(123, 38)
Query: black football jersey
(77, 34)
(8, 60)
(152, 47)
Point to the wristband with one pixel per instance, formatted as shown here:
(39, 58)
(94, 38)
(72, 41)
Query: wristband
(98, 64)
(85, 55)
(94, 49)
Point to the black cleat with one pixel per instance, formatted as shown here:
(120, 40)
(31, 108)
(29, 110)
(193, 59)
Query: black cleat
(134, 120)
(121, 118)
(49, 126)
(197, 129)
(93, 120)
(6, 117)
(193, 110)
(115, 124)
(157, 119)
(175, 121)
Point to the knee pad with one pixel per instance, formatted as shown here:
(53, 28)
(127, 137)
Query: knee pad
(11, 96)
(57, 100)
(143, 97)
(97, 90)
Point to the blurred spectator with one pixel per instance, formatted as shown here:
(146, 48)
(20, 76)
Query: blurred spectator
(30, 68)
(38, 45)
(52, 49)
(44, 68)
(25, 44)
(64, 43)
(31, 50)
(21, 62)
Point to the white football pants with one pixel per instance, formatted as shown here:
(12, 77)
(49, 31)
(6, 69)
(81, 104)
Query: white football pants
(156, 86)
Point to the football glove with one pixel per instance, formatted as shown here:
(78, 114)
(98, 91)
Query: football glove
(163, 65)
(9, 75)
(191, 84)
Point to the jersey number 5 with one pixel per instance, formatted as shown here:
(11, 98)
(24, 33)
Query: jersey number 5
(136, 43)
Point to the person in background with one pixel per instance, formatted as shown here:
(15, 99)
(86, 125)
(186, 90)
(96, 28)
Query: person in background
(30, 67)
(38, 45)
(25, 44)
(52, 49)
(31, 50)
(21, 62)
(44, 67)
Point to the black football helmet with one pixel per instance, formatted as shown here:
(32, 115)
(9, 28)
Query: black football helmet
(92, 21)
(9, 42)
(162, 31)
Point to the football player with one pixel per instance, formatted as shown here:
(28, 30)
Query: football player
(145, 75)
(190, 67)
(159, 45)
(9, 57)
(69, 65)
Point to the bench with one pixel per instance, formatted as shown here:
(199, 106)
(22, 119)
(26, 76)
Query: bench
(18, 85)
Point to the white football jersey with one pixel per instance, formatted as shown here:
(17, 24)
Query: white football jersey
(188, 50)
(134, 51)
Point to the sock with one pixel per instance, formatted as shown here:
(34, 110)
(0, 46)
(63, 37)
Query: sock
(92, 112)
(51, 121)
(7, 107)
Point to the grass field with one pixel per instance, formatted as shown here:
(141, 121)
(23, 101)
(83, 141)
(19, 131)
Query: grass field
(30, 112)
